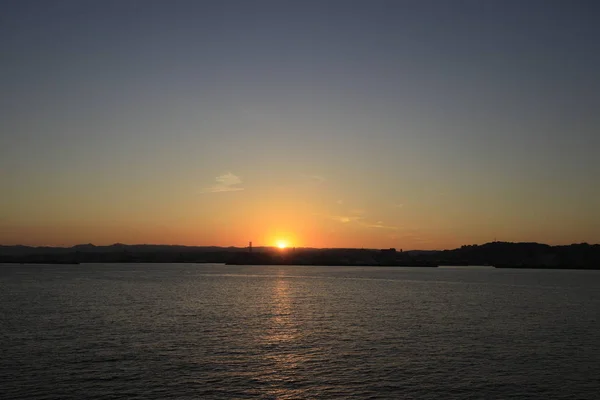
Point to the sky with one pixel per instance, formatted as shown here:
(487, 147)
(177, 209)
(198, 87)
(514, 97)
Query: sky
(409, 124)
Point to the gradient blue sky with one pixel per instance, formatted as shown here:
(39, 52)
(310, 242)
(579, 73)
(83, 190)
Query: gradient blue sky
(409, 124)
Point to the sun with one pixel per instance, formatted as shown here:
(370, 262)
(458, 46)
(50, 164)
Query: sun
(282, 244)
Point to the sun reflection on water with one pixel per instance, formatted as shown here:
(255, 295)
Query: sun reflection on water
(281, 343)
(282, 327)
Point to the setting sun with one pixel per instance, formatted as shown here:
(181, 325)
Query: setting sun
(282, 244)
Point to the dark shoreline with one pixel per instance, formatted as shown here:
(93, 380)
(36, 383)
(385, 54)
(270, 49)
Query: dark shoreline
(497, 254)
(541, 267)
(344, 265)
(578, 268)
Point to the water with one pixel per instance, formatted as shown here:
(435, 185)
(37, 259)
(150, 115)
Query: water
(212, 331)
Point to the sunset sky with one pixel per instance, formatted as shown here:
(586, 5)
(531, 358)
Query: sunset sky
(410, 124)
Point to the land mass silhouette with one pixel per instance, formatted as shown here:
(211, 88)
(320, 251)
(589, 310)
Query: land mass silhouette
(496, 254)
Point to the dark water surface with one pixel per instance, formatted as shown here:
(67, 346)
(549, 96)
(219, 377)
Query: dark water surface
(210, 331)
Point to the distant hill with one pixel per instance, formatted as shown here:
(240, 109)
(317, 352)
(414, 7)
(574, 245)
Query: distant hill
(118, 252)
(117, 247)
(534, 255)
(498, 254)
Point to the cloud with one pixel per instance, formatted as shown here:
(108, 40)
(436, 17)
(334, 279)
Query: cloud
(400, 205)
(358, 219)
(344, 218)
(341, 218)
(379, 225)
(314, 178)
(225, 183)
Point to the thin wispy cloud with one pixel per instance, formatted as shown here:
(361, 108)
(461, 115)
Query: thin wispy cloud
(225, 183)
(358, 219)
(314, 178)
(345, 218)
(379, 225)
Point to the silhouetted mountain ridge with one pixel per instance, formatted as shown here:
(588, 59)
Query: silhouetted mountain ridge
(536, 255)
(498, 254)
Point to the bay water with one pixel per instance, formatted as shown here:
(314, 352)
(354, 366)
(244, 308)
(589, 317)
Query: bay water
(192, 331)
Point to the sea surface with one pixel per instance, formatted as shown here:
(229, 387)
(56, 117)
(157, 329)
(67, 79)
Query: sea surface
(191, 331)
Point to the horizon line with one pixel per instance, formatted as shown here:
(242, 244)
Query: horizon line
(289, 248)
